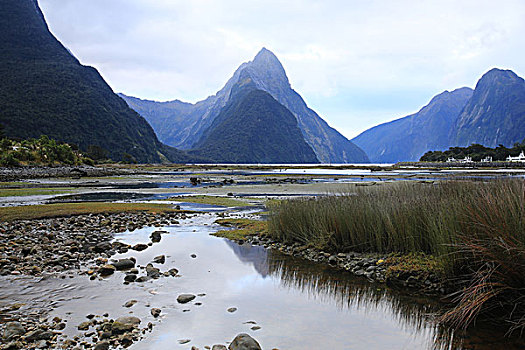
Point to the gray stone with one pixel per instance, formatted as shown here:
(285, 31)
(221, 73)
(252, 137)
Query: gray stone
(130, 277)
(130, 303)
(219, 347)
(103, 345)
(185, 298)
(244, 342)
(123, 264)
(152, 272)
(38, 334)
(161, 259)
(12, 330)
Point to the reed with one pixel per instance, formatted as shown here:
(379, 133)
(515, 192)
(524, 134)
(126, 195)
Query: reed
(476, 229)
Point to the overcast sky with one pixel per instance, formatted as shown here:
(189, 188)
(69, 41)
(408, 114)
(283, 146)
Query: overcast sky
(358, 63)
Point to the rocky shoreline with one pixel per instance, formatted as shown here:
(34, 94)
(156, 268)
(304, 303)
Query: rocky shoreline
(374, 267)
(83, 245)
(27, 172)
(60, 246)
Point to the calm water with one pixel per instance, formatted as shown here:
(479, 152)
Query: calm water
(298, 305)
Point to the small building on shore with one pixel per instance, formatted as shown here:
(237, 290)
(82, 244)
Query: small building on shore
(520, 158)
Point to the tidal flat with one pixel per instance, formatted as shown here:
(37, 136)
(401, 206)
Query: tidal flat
(85, 268)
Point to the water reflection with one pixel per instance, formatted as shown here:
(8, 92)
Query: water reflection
(415, 314)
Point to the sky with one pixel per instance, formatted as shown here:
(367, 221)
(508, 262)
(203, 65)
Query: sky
(357, 63)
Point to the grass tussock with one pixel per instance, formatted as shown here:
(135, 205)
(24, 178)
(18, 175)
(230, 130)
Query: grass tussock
(242, 228)
(30, 212)
(474, 232)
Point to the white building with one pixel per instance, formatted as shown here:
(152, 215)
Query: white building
(487, 159)
(520, 158)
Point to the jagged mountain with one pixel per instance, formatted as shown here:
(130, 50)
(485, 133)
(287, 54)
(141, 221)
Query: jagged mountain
(408, 138)
(45, 90)
(495, 114)
(182, 125)
(254, 128)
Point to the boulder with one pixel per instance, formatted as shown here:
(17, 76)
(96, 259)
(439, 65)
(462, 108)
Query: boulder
(106, 270)
(185, 298)
(123, 264)
(244, 342)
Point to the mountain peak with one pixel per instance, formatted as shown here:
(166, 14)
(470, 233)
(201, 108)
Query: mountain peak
(496, 74)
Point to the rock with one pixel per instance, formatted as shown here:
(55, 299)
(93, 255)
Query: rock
(123, 264)
(244, 342)
(185, 298)
(124, 324)
(255, 328)
(130, 303)
(232, 309)
(84, 326)
(129, 320)
(219, 347)
(161, 259)
(173, 272)
(106, 270)
(130, 277)
(103, 345)
(193, 256)
(184, 341)
(12, 330)
(155, 312)
(332, 260)
(14, 345)
(142, 279)
(38, 334)
(152, 272)
(102, 247)
(126, 340)
(41, 344)
(155, 236)
(140, 247)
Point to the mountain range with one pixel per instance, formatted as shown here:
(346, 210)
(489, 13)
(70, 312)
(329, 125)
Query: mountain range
(184, 125)
(45, 90)
(491, 114)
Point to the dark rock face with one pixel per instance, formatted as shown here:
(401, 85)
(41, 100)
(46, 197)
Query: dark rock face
(182, 124)
(46, 91)
(254, 128)
(408, 138)
(244, 342)
(495, 114)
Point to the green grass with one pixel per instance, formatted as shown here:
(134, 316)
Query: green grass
(474, 232)
(30, 212)
(19, 192)
(212, 200)
(243, 228)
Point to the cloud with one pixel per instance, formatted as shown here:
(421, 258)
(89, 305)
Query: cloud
(342, 56)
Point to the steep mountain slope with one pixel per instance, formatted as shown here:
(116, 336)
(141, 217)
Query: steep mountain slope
(267, 73)
(495, 114)
(254, 128)
(408, 138)
(45, 90)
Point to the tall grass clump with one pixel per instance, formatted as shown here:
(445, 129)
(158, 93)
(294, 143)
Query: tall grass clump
(477, 230)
